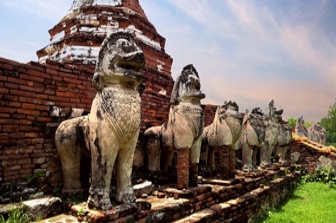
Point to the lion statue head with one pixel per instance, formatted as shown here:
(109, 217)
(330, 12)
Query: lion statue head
(229, 108)
(120, 61)
(271, 113)
(187, 87)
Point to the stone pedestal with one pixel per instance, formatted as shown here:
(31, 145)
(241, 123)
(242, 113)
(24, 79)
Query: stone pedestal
(182, 168)
(223, 162)
(232, 163)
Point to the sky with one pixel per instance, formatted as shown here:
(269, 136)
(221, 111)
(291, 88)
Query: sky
(248, 51)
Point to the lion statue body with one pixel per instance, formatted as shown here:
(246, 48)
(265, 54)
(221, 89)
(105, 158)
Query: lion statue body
(300, 129)
(272, 118)
(110, 132)
(284, 139)
(317, 133)
(183, 130)
(252, 137)
(224, 131)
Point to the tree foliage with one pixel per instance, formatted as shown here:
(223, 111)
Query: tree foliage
(291, 122)
(329, 123)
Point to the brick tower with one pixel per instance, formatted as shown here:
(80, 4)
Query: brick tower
(77, 38)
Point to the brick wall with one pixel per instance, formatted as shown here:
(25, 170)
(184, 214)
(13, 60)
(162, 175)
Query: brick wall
(309, 158)
(28, 93)
(209, 113)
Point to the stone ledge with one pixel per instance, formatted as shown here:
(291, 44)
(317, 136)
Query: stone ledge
(218, 201)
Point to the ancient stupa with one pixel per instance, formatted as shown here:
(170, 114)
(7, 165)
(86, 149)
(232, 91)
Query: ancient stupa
(77, 38)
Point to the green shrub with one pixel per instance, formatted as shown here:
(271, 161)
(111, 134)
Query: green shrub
(325, 175)
(15, 215)
(31, 178)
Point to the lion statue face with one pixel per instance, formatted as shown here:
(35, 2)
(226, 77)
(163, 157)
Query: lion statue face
(229, 113)
(187, 87)
(230, 108)
(120, 61)
(317, 127)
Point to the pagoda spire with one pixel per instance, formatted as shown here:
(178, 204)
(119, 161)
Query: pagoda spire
(77, 38)
(78, 3)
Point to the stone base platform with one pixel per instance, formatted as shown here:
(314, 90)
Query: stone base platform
(235, 200)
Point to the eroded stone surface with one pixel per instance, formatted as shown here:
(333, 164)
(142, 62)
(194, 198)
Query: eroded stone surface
(300, 129)
(110, 131)
(272, 117)
(326, 163)
(252, 137)
(284, 140)
(43, 207)
(317, 133)
(182, 131)
(224, 131)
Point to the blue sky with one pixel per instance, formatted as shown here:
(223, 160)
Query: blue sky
(248, 51)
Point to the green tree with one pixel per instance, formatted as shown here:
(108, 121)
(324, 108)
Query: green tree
(291, 122)
(329, 123)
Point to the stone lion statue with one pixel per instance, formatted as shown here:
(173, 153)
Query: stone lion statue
(224, 131)
(284, 140)
(300, 129)
(272, 118)
(317, 133)
(252, 137)
(182, 131)
(110, 132)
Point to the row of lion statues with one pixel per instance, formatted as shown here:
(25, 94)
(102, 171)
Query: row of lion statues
(315, 132)
(109, 133)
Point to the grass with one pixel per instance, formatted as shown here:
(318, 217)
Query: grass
(311, 202)
(15, 215)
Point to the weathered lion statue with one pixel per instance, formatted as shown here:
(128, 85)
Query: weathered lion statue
(224, 131)
(300, 129)
(272, 117)
(317, 133)
(252, 137)
(182, 131)
(110, 132)
(284, 139)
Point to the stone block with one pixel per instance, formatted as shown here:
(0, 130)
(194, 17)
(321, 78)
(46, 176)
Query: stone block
(43, 207)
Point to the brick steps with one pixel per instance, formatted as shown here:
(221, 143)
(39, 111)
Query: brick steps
(229, 211)
(234, 200)
(204, 215)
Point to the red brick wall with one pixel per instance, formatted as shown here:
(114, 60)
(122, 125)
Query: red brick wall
(27, 94)
(309, 158)
(209, 113)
